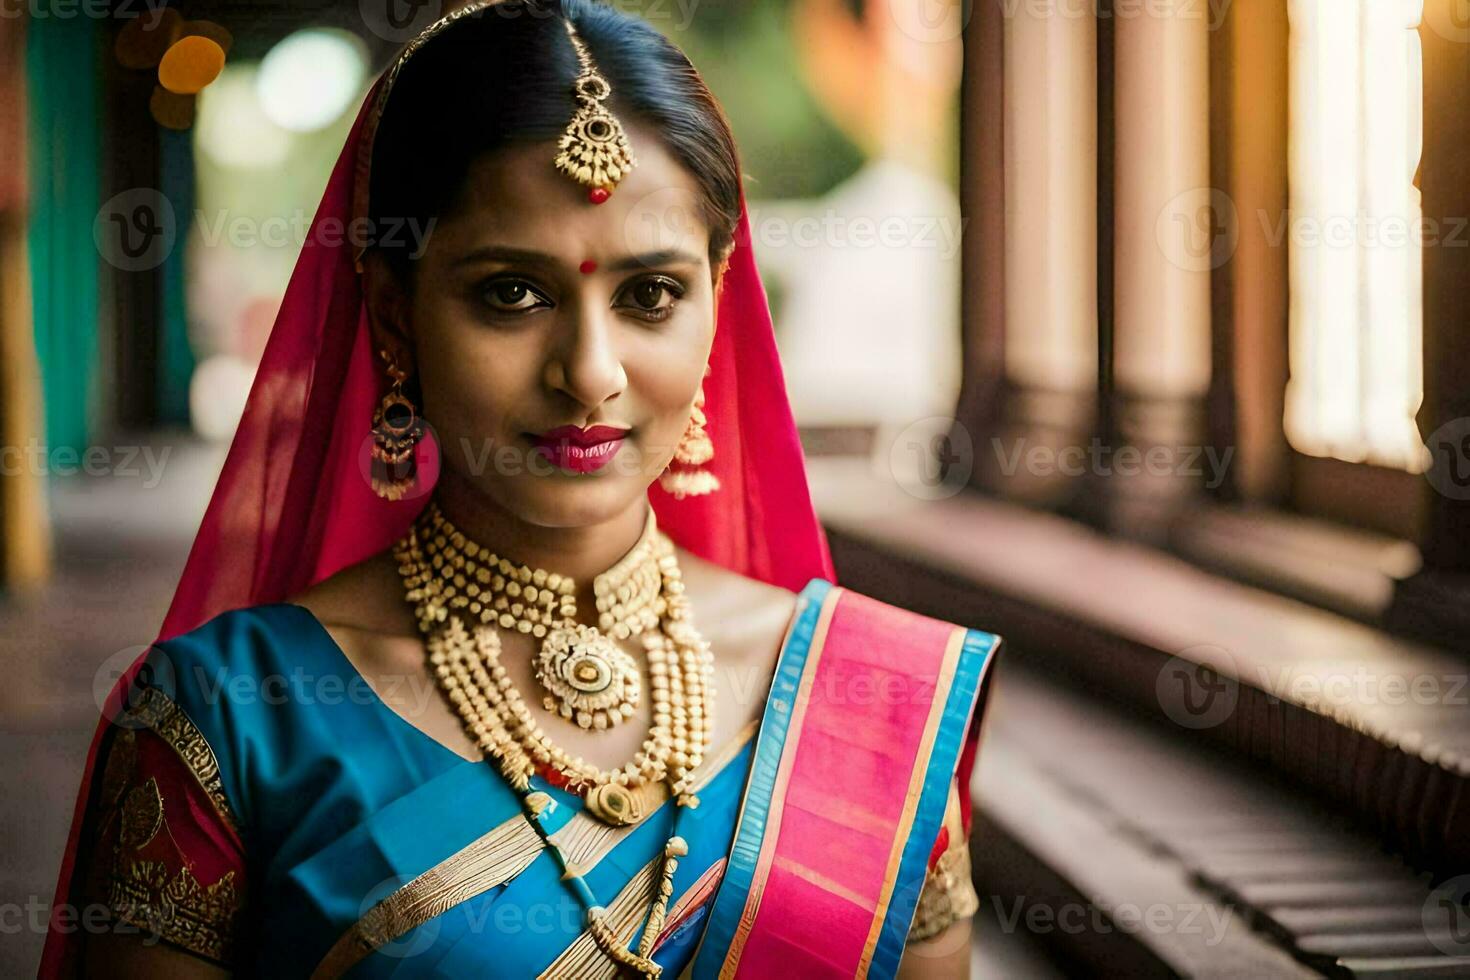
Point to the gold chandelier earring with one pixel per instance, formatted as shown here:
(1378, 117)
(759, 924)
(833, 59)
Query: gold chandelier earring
(397, 429)
(694, 450)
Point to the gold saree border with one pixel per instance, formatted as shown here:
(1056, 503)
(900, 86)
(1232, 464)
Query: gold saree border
(491, 860)
(164, 901)
(160, 714)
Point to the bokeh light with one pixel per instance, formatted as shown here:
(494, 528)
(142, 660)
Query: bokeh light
(233, 129)
(191, 64)
(307, 80)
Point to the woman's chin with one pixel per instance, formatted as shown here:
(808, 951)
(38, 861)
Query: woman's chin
(575, 499)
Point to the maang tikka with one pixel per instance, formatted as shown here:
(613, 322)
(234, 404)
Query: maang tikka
(594, 149)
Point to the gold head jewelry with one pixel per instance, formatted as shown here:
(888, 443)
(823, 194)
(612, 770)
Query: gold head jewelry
(594, 147)
(362, 169)
(594, 150)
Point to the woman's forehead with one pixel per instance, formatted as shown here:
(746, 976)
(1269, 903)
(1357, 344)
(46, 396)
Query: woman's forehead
(516, 196)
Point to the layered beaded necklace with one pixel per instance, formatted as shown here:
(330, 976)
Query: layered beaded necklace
(463, 594)
(588, 678)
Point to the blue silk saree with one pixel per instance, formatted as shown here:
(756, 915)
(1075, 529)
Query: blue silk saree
(368, 849)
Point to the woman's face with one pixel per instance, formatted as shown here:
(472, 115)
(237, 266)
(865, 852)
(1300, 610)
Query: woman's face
(532, 309)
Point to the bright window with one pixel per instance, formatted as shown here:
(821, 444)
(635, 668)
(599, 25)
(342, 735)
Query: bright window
(1356, 232)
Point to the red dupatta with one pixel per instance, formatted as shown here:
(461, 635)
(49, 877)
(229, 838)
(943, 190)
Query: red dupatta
(293, 504)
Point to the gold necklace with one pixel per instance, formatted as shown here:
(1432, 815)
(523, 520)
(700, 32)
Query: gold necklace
(586, 676)
(466, 663)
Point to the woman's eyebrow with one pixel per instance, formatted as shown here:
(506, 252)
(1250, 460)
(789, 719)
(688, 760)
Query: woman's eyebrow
(525, 256)
(505, 253)
(666, 256)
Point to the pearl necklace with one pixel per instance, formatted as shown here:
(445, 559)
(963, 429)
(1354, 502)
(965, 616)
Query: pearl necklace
(465, 662)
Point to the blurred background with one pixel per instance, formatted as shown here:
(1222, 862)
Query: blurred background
(1132, 330)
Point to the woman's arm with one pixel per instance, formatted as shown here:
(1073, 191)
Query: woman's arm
(164, 859)
(945, 956)
(109, 956)
(939, 939)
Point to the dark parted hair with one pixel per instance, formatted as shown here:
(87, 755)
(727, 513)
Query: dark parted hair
(504, 74)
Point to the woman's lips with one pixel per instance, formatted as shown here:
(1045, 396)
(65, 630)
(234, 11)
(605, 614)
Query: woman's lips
(579, 450)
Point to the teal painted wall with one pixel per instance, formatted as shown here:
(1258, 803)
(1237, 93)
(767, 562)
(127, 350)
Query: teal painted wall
(62, 58)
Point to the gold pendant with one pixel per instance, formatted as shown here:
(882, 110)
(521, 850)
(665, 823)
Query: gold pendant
(589, 679)
(621, 806)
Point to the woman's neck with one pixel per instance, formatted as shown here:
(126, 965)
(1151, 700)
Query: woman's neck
(582, 552)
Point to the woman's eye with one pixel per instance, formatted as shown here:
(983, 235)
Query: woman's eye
(513, 295)
(654, 297)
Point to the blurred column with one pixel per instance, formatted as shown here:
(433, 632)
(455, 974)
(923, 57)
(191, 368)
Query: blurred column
(1433, 604)
(1049, 122)
(983, 205)
(1249, 97)
(24, 529)
(1170, 231)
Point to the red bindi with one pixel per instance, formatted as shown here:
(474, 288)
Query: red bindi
(588, 267)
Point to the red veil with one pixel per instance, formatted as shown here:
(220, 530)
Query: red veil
(293, 503)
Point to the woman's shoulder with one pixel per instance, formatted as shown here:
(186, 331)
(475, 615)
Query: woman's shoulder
(239, 639)
(742, 611)
(367, 595)
(241, 651)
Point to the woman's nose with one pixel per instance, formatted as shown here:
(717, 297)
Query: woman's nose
(586, 364)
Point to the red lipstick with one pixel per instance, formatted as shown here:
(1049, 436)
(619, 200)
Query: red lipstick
(580, 450)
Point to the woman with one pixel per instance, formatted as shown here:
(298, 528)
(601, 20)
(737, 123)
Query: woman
(508, 646)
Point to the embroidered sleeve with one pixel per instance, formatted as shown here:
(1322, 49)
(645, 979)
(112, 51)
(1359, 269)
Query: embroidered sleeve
(948, 894)
(166, 857)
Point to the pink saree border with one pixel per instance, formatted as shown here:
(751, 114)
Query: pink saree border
(857, 830)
